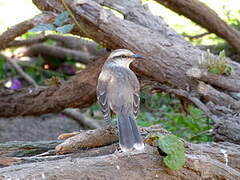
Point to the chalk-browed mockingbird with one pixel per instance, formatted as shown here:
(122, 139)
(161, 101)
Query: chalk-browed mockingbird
(118, 90)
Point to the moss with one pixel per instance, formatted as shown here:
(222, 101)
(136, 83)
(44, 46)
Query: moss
(216, 65)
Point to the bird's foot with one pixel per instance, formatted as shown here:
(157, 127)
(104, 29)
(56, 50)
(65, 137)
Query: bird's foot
(137, 149)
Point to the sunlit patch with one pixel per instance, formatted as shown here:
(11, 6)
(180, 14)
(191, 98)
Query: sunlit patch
(139, 146)
(80, 65)
(115, 12)
(46, 66)
(8, 84)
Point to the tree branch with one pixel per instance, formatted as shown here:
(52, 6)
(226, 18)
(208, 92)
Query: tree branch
(74, 43)
(89, 139)
(55, 51)
(21, 28)
(229, 83)
(82, 119)
(196, 36)
(199, 13)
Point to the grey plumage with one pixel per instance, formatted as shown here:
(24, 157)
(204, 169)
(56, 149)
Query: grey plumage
(118, 89)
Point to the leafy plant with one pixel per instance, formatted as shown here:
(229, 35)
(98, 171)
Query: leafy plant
(57, 26)
(43, 27)
(2, 74)
(165, 110)
(216, 65)
(232, 19)
(61, 18)
(65, 28)
(174, 149)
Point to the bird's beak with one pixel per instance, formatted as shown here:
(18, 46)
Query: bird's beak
(137, 56)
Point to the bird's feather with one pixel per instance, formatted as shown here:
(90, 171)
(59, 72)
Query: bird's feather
(136, 102)
(129, 136)
(103, 98)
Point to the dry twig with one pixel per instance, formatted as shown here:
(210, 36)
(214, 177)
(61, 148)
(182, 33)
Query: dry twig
(82, 119)
(19, 70)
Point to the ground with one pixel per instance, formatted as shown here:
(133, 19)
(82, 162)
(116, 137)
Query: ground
(46, 127)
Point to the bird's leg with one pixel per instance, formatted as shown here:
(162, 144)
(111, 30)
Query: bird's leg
(119, 153)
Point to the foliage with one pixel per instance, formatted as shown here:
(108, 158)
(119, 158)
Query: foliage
(217, 44)
(61, 18)
(2, 74)
(65, 28)
(166, 110)
(174, 148)
(43, 27)
(216, 65)
(53, 81)
(42, 69)
(58, 25)
(231, 19)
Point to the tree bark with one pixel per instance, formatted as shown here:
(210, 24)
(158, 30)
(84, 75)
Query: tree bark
(199, 13)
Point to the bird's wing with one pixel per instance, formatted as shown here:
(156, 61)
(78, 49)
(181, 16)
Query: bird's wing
(136, 87)
(102, 95)
(136, 102)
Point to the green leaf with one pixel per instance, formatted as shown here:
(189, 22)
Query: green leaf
(175, 161)
(65, 29)
(2, 70)
(61, 18)
(170, 144)
(42, 27)
(174, 148)
(215, 70)
(222, 54)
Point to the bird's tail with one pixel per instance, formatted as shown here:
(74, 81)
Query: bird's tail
(129, 136)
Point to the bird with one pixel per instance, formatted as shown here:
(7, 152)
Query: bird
(118, 90)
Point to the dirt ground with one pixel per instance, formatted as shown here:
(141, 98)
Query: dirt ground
(45, 127)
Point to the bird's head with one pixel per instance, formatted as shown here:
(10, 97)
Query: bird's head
(123, 57)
